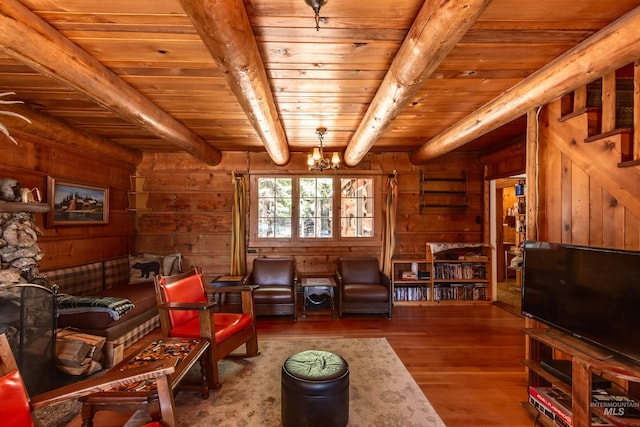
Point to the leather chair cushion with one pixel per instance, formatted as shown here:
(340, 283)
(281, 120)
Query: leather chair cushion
(364, 292)
(273, 295)
(226, 325)
(359, 270)
(188, 289)
(273, 272)
(15, 404)
(314, 366)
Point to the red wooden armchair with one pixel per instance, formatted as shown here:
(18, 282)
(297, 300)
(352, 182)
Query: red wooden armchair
(185, 311)
(17, 407)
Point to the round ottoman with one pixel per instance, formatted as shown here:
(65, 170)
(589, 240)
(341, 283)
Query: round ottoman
(315, 390)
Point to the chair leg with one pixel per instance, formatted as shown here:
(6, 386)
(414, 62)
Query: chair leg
(252, 347)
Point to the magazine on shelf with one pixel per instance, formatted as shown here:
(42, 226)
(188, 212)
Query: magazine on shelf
(559, 403)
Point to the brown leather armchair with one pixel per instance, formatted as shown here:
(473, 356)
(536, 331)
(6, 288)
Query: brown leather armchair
(277, 293)
(362, 287)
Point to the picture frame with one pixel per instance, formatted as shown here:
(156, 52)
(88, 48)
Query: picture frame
(76, 203)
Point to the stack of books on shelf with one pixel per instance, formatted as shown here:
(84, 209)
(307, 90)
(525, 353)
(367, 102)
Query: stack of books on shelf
(460, 291)
(556, 405)
(411, 293)
(460, 271)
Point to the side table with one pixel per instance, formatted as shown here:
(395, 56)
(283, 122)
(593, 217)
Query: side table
(229, 298)
(318, 286)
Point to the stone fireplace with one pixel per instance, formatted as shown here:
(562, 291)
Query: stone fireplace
(27, 310)
(19, 250)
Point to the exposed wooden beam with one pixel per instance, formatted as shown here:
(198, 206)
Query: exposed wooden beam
(614, 46)
(225, 29)
(47, 127)
(30, 40)
(436, 30)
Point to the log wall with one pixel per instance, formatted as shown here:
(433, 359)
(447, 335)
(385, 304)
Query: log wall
(191, 208)
(35, 158)
(191, 205)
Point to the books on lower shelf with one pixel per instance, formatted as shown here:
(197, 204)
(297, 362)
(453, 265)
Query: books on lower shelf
(460, 291)
(411, 293)
(556, 405)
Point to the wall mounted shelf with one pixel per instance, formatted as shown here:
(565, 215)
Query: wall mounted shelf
(137, 196)
(443, 190)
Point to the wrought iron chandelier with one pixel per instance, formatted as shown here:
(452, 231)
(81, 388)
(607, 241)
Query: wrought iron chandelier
(316, 161)
(316, 5)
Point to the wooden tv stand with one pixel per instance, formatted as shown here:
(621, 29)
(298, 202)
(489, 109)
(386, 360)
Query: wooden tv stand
(585, 359)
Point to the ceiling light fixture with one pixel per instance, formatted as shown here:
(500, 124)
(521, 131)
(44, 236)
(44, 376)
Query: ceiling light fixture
(316, 5)
(316, 161)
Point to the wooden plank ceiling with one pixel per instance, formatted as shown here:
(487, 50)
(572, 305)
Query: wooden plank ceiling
(255, 75)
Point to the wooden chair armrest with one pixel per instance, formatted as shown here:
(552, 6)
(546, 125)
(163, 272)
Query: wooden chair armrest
(246, 280)
(200, 306)
(150, 371)
(227, 289)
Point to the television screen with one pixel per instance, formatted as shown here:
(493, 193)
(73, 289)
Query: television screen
(591, 293)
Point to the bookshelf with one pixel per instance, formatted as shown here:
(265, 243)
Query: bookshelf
(411, 290)
(449, 273)
(461, 272)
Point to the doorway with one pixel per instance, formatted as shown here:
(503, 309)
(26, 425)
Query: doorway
(509, 234)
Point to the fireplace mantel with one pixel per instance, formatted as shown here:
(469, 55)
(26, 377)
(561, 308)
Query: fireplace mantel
(23, 207)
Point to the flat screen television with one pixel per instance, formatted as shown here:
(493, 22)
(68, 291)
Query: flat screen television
(588, 292)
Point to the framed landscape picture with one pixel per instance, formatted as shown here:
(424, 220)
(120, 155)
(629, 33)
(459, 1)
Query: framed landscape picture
(75, 203)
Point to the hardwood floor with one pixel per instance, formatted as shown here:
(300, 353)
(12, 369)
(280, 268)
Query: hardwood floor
(466, 359)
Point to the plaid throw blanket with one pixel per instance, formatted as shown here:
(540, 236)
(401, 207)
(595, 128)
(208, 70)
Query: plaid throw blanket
(116, 307)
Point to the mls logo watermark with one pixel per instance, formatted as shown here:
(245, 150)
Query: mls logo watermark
(615, 406)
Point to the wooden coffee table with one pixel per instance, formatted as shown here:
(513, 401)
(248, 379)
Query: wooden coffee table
(184, 352)
(318, 286)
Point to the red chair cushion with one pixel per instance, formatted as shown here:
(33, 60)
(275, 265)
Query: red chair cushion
(14, 410)
(188, 289)
(226, 325)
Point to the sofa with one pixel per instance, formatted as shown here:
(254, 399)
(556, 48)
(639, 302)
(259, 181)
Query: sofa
(113, 298)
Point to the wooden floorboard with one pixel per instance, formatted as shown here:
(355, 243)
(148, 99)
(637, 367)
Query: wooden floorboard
(466, 359)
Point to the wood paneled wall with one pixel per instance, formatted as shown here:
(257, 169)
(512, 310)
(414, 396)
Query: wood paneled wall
(584, 198)
(191, 208)
(33, 159)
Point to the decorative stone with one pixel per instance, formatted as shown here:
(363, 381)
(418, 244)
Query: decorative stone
(19, 250)
(10, 275)
(20, 235)
(24, 263)
(30, 252)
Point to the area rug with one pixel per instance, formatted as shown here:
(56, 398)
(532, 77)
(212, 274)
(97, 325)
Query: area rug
(382, 392)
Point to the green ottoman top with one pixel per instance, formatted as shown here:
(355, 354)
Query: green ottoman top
(316, 365)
